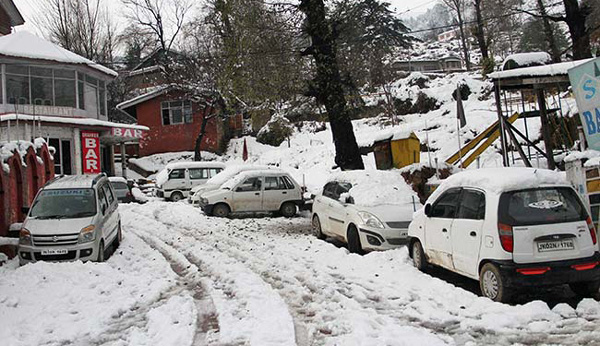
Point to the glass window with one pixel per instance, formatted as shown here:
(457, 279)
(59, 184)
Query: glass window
(41, 72)
(102, 200)
(109, 193)
(102, 101)
(445, 206)
(176, 116)
(81, 90)
(91, 80)
(41, 91)
(64, 93)
(119, 185)
(17, 89)
(540, 206)
(198, 173)
(288, 183)
(177, 174)
(330, 190)
(274, 183)
(66, 74)
(472, 205)
(251, 184)
(214, 171)
(166, 116)
(176, 112)
(64, 203)
(66, 156)
(17, 69)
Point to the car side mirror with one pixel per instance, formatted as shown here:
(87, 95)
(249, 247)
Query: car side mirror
(349, 200)
(25, 210)
(428, 210)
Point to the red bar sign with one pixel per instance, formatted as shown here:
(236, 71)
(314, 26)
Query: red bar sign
(90, 143)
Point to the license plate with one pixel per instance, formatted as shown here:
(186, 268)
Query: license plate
(54, 252)
(559, 245)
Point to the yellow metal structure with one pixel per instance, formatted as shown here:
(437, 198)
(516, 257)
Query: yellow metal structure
(487, 137)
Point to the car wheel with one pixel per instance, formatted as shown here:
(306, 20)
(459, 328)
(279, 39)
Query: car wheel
(118, 238)
(101, 251)
(354, 241)
(176, 196)
(316, 228)
(418, 256)
(586, 289)
(221, 210)
(492, 284)
(288, 209)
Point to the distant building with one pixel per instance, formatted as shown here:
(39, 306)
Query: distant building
(9, 17)
(443, 65)
(448, 35)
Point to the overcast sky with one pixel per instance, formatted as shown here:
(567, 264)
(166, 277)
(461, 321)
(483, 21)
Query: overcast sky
(31, 10)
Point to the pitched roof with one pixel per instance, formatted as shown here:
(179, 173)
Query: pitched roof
(24, 44)
(13, 12)
(152, 93)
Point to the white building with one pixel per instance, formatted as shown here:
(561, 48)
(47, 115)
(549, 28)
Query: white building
(47, 91)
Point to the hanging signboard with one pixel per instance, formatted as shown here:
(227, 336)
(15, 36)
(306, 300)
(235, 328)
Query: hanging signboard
(90, 146)
(585, 80)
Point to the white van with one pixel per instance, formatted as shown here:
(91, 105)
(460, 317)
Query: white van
(177, 179)
(254, 191)
(508, 228)
(71, 218)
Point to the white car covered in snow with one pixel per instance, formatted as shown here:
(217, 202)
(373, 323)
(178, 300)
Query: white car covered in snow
(71, 218)
(271, 190)
(215, 182)
(369, 210)
(176, 180)
(508, 228)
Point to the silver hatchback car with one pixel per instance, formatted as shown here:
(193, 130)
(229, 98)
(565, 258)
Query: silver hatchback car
(71, 218)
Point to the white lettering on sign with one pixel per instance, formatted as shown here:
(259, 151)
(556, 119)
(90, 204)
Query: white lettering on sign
(91, 152)
(125, 132)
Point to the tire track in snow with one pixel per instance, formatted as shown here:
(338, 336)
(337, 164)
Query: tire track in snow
(569, 331)
(226, 293)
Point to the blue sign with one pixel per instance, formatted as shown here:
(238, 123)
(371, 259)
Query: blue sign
(585, 80)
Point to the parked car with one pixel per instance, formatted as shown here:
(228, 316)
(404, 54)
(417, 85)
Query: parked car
(121, 189)
(215, 182)
(254, 191)
(508, 228)
(71, 218)
(177, 179)
(368, 210)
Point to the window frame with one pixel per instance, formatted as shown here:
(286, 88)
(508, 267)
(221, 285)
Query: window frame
(177, 169)
(480, 213)
(438, 200)
(169, 106)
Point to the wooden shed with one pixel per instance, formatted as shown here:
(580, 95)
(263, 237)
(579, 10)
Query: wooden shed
(398, 150)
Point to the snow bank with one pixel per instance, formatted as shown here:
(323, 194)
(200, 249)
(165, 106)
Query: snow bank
(371, 187)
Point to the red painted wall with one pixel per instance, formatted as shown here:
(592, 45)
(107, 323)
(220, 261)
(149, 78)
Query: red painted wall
(168, 138)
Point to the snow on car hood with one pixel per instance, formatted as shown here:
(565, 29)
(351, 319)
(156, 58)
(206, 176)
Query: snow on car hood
(392, 212)
(56, 226)
(372, 188)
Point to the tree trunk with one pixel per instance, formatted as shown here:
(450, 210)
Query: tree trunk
(205, 117)
(327, 86)
(576, 20)
(549, 32)
(463, 39)
(480, 34)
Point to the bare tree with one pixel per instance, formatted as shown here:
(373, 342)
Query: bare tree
(81, 26)
(165, 21)
(459, 8)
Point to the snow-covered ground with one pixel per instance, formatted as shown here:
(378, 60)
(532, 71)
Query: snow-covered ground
(182, 278)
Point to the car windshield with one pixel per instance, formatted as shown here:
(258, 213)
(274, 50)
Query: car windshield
(540, 206)
(64, 204)
(119, 186)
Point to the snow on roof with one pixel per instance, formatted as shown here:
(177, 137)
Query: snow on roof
(232, 182)
(526, 59)
(234, 170)
(537, 71)
(117, 180)
(384, 135)
(374, 187)
(24, 44)
(592, 157)
(152, 93)
(504, 179)
(70, 120)
(194, 164)
(7, 150)
(72, 181)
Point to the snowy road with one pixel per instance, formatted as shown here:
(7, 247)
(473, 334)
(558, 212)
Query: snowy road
(181, 278)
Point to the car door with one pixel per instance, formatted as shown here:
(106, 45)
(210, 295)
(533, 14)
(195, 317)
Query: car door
(247, 196)
(112, 215)
(275, 192)
(466, 232)
(104, 210)
(177, 180)
(321, 206)
(338, 212)
(438, 227)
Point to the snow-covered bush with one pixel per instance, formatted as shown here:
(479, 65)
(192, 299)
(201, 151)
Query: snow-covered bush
(277, 130)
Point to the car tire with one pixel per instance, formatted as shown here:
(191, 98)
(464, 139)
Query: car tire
(492, 284)
(354, 244)
(118, 238)
(101, 252)
(288, 209)
(176, 196)
(586, 289)
(221, 210)
(316, 228)
(418, 256)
